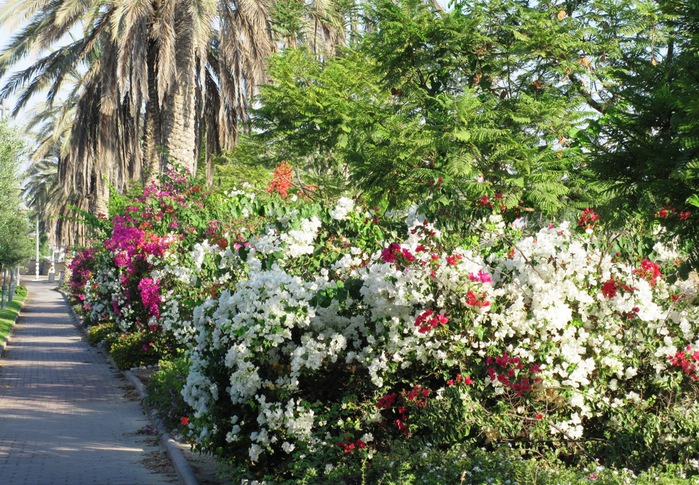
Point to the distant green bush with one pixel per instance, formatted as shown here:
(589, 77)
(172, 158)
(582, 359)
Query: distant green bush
(98, 333)
(132, 350)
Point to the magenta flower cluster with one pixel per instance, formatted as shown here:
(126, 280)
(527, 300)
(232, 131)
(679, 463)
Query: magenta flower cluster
(81, 271)
(130, 244)
(150, 296)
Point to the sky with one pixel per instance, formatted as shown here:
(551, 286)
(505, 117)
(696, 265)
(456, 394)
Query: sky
(6, 107)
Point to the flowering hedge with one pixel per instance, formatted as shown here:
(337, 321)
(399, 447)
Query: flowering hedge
(148, 273)
(329, 333)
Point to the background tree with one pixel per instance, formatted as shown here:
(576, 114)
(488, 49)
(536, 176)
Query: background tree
(644, 150)
(451, 107)
(15, 245)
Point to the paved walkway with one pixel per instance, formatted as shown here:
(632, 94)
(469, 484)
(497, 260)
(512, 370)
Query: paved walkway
(65, 415)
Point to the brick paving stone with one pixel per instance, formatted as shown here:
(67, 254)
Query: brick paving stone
(66, 416)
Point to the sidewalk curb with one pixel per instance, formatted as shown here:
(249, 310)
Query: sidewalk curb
(179, 462)
(4, 344)
(184, 471)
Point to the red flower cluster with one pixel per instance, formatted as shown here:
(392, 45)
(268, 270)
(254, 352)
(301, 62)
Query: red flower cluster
(281, 181)
(668, 211)
(81, 272)
(417, 396)
(612, 286)
(512, 373)
(609, 288)
(387, 401)
(485, 201)
(394, 254)
(688, 361)
(349, 446)
(453, 260)
(588, 219)
(649, 271)
(632, 314)
(476, 300)
(428, 320)
(482, 276)
(416, 393)
(459, 379)
(150, 296)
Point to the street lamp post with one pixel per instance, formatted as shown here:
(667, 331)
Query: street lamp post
(37, 248)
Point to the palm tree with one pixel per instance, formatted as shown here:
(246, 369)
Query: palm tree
(151, 82)
(43, 192)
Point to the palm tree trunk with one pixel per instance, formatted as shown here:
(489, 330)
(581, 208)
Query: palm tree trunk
(152, 152)
(179, 107)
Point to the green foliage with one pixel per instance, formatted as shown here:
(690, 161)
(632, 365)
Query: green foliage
(244, 168)
(101, 332)
(130, 350)
(164, 392)
(9, 313)
(449, 107)
(637, 437)
(463, 464)
(644, 148)
(15, 245)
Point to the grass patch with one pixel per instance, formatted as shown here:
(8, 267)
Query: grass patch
(9, 313)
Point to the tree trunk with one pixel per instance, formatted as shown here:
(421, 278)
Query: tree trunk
(153, 156)
(179, 106)
(99, 200)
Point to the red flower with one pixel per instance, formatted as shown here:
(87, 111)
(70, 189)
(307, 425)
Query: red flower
(184, 420)
(609, 288)
(474, 300)
(649, 271)
(386, 401)
(427, 320)
(453, 260)
(588, 219)
(662, 213)
(389, 254)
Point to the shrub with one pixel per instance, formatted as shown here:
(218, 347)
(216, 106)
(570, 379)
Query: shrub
(98, 333)
(543, 340)
(336, 335)
(21, 291)
(133, 350)
(164, 393)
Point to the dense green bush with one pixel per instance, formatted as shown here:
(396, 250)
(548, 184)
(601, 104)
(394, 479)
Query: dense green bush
(133, 350)
(98, 333)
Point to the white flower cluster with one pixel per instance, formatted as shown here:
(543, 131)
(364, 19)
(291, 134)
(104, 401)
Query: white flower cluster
(552, 305)
(271, 335)
(342, 209)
